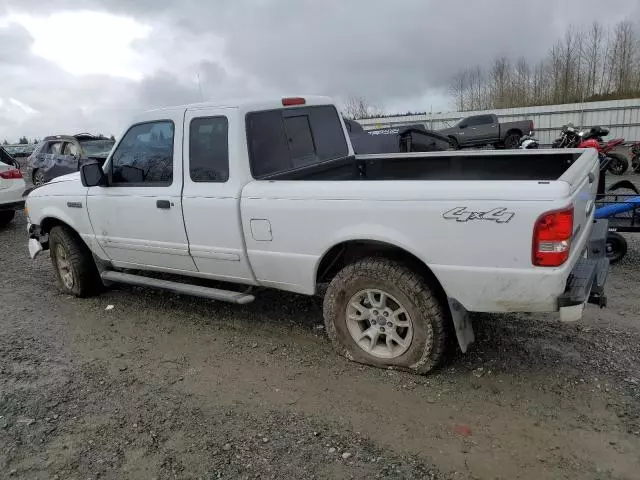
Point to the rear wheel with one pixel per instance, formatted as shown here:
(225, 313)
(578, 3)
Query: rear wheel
(380, 313)
(512, 140)
(73, 263)
(38, 177)
(6, 216)
(616, 247)
(618, 163)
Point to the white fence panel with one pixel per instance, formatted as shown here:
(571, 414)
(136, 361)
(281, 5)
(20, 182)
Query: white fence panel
(621, 117)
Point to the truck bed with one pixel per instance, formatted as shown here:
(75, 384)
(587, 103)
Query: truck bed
(543, 165)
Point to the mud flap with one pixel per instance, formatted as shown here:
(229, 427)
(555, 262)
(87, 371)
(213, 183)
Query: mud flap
(34, 248)
(462, 324)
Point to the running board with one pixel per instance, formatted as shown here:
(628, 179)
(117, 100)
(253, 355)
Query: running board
(185, 288)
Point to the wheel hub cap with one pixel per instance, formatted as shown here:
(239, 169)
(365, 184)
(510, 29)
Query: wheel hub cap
(379, 323)
(64, 267)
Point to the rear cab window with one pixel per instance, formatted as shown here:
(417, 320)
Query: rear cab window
(209, 149)
(480, 120)
(290, 138)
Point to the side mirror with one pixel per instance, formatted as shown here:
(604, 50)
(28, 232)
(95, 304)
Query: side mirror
(463, 125)
(92, 175)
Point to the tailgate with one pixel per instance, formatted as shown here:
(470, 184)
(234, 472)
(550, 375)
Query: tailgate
(582, 177)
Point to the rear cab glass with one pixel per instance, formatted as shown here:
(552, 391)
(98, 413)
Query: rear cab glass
(290, 138)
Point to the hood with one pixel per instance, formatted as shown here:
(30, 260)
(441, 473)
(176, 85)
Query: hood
(65, 178)
(64, 185)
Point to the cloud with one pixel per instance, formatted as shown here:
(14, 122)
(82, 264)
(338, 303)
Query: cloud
(398, 54)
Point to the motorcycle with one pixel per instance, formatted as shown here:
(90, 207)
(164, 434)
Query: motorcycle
(635, 157)
(570, 137)
(528, 142)
(618, 163)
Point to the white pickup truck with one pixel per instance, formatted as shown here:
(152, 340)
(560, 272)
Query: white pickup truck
(270, 194)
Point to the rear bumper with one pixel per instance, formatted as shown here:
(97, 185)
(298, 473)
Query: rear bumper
(587, 279)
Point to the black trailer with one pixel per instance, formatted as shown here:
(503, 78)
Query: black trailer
(623, 213)
(409, 138)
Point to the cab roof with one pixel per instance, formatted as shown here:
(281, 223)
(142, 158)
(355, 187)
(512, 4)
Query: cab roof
(249, 104)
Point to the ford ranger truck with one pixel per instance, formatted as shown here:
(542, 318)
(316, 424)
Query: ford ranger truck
(225, 200)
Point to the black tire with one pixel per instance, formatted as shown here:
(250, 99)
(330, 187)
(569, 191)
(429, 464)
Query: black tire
(616, 247)
(618, 163)
(512, 140)
(6, 216)
(424, 311)
(85, 279)
(453, 141)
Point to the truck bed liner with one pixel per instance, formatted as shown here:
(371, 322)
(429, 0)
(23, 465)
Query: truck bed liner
(544, 166)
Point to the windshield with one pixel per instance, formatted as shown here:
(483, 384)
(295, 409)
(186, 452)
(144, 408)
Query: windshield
(97, 147)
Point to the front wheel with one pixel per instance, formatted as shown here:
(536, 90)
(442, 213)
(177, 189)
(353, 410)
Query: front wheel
(73, 263)
(616, 247)
(380, 313)
(618, 164)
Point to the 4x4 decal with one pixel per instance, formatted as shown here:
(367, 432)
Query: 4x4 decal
(461, 214)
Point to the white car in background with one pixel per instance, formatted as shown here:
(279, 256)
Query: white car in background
(12, 186)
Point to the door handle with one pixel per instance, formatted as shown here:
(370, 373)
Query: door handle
(592, 177)
(163, 204)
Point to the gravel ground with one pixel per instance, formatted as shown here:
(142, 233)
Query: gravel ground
(172, 387)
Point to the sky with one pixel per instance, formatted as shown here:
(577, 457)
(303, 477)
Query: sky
(70, 66)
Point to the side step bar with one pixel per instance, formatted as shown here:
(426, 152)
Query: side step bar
(185, 288)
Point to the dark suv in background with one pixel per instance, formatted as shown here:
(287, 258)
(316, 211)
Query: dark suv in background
(62, 154)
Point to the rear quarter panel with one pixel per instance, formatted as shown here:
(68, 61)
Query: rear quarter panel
(465, 231)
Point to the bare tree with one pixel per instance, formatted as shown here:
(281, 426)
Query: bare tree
(521, 82)
(458, 88)
(622, 61)
(593, 58)
(587, 64)
(476, 89)
(500, 75)
(357, 107)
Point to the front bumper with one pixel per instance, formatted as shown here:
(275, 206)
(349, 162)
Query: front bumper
(37, 240)
(587, 279)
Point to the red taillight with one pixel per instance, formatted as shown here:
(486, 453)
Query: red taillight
(11, 174)
(287, 102)
(552, 238)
